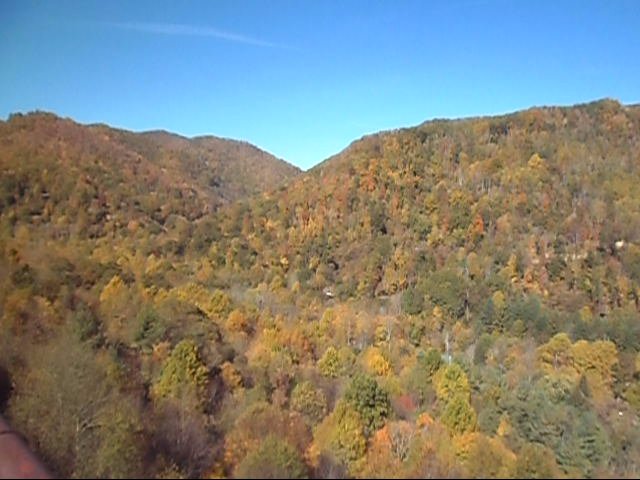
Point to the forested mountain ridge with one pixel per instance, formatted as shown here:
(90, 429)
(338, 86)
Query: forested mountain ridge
(459, 298)
(119, 176)
(543, 185)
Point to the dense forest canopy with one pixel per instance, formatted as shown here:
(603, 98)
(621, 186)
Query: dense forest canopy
(460, 298)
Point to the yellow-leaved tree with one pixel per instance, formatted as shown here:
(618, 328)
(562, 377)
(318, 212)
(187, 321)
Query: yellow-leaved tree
(183, 374)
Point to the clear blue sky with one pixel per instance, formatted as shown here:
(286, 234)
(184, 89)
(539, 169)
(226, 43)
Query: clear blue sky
(304, 78)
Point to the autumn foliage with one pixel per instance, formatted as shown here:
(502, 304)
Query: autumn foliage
(457, 299)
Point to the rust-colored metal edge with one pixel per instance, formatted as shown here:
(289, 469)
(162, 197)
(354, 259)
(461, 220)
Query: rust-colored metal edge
(16, 458)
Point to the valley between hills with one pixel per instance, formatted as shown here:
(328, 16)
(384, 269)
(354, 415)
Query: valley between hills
(456, 299)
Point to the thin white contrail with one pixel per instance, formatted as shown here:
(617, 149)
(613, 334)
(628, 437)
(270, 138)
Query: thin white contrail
(195, 31)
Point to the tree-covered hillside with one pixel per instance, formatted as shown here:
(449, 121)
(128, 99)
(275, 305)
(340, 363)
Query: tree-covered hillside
(94, 179)
(456, 299)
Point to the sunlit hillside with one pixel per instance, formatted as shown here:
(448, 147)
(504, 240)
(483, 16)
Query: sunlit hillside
(460, 298)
